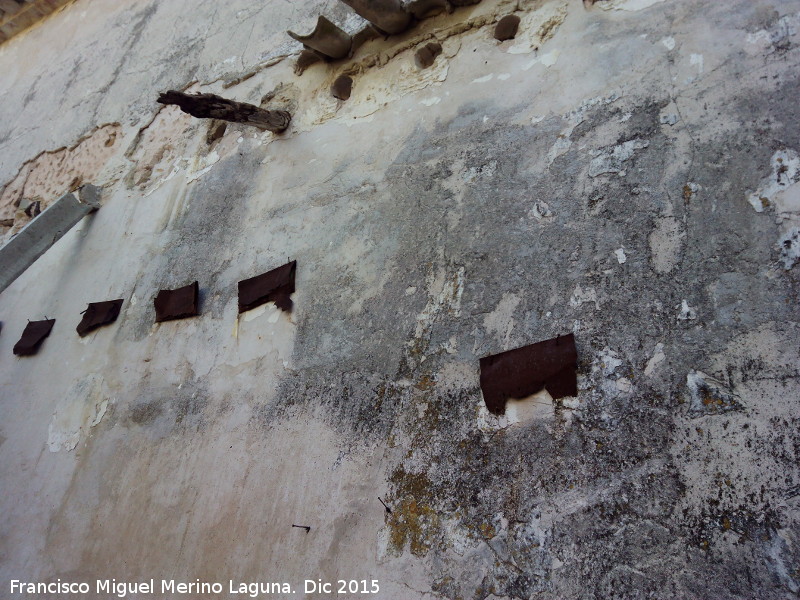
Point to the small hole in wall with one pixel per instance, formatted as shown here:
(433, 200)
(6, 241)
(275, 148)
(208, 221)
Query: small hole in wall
(216, 130)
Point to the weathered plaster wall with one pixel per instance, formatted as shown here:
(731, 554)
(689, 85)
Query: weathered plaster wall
(626, 171)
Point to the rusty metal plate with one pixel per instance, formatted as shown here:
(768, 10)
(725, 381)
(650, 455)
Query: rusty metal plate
(33, 336)
(98, 314)
(524, 371)
(273, 286)
(177, 304)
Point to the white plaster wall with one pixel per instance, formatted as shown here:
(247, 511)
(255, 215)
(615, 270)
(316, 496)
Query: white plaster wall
(188, 449)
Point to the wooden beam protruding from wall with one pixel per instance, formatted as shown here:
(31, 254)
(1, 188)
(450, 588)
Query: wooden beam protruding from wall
(211, 106)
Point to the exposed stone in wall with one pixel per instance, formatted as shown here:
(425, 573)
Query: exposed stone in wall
(52, 174)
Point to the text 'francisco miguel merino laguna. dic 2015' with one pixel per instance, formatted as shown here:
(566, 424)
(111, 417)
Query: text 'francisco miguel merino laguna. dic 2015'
(122, 589)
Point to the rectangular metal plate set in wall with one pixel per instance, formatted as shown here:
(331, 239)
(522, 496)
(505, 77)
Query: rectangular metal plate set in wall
(275, 286)
(177, 304)
(32, 337)
(98, 314)
(522, 372)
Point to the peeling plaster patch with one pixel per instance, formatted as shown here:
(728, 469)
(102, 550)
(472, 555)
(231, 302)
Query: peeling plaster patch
(710, 396)
(687, 312)
(620, 254)
(484, 79)
(474, 173)
(610, 160)
(657, 358)
(561, 147)
(631, 5)
(430, 101)
(697, 60)
(548, 60)
(785, 167)
(669, 119)
(378, 85)
(79, 410)
(579, 296)
(604, 368)
(669, 43)
(500, 321)
(537, 406)
(444, 297)
(159, 147)
(52, 174)
(666, 241)
(503, 76)
(202, 166)
(784, 29)
(538, 26)
(256, 312)
(789, 244)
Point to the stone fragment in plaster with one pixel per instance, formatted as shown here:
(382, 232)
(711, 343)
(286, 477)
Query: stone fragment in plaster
(326, 39)
(342, 87)
(506, 28)
(98, 314)
(611, 160)
(541, 212)
(426, 56)
(275, 286)
(82, 407)
(33, 335)
(177, 304)
(710, 396)
(211, 106)
(687, 313)
(524, 371)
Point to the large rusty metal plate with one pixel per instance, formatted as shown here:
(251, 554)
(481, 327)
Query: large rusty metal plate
(177, 304)
(273, 286)
(33, 336)
(524, 371)
(98, 314)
